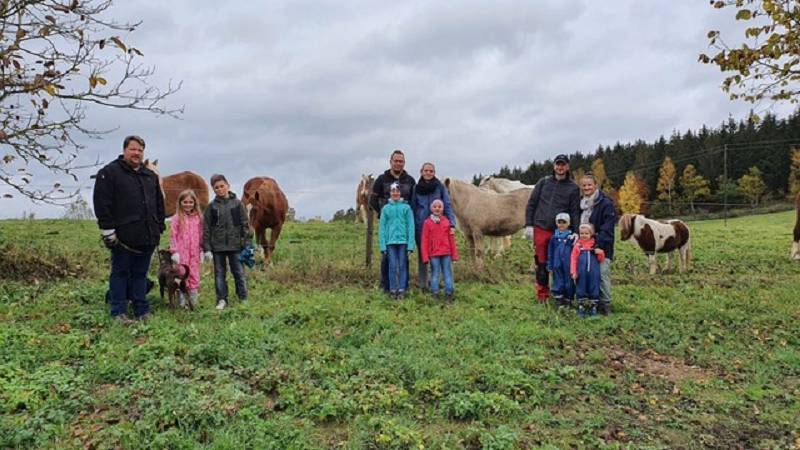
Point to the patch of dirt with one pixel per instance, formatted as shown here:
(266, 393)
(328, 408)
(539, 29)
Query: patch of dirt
(653, 364)
(25, 265)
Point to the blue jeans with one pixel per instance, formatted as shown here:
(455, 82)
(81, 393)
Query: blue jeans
(441, 265)
(397, 261)
(128, 280)
(220, 275)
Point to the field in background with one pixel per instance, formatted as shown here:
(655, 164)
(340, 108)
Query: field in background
(320, 359)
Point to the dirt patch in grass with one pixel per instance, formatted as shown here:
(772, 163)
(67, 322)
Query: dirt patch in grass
(656, 365)
(29, 266)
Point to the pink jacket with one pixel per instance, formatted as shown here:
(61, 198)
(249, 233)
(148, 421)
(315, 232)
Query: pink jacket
(436, 240)
(583, 244)
(187, 240)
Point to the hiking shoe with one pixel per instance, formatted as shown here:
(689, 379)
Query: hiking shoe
(401, 295)
(448, 298)
(123, 319)
(221, 304)
(604, 309)
(144, 318)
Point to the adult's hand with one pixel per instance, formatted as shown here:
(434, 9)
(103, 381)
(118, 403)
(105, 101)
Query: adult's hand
(529, 233)
(208, 256)
(109, 238)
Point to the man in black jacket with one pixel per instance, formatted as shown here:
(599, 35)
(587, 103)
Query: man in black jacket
(129, 207)
(380, 196)
(553, 194)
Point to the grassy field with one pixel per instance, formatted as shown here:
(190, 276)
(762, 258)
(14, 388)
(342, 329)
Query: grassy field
(320, 359)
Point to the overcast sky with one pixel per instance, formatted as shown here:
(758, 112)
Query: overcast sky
(314, 93)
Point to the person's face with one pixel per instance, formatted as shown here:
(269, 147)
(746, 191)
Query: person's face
(560, 168)
(395, 194)
(187, 204)
(428, 172)
(588, 186)
(221, 189)
(398, 163)
(585, 233)
(133, 154)
(562, 225)
(437, 209)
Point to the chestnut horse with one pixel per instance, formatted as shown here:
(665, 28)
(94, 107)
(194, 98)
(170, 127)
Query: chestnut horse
(173, 185)
(267, 207)
(796, 244)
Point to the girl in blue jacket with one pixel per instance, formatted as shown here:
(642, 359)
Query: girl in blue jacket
(397, 240)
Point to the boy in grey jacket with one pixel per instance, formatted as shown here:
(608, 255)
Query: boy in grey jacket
(225, 233)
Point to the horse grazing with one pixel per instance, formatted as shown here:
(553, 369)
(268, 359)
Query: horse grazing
(482, 213)
(796, 244)
(362, 197)
(267, 207)
(173, 185)
(657, 237)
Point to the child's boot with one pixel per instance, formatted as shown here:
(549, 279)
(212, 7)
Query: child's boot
(181, 299)
(193, 299)
(581, 308)
(592, 308)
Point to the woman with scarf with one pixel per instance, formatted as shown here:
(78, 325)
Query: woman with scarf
(428, 189)
(598, 209)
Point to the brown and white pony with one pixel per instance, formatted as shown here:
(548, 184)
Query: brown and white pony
(796, 244)
(657, 237)
(363, 191)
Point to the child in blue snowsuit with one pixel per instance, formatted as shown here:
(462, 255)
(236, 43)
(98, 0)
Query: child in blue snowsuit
(559, 252)
(585, 269)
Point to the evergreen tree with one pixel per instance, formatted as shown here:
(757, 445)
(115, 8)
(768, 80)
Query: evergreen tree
(751, 186)
(666, 182)
(694, 186)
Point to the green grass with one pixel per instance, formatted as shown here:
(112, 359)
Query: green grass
(320, 359)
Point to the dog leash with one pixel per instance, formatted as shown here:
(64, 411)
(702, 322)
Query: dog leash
(125, 246)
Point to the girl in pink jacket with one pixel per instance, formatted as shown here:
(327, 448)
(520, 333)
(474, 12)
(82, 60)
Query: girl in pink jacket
(438, 245)
(186, 240)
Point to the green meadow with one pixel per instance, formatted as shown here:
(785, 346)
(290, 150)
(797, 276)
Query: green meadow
(320, 359)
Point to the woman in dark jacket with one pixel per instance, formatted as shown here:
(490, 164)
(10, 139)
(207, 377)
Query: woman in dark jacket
(428, 189)
(598, 210)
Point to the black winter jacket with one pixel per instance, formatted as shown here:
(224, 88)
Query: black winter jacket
(604, 218)
(550, 197)
(130, 202)
(381, 192)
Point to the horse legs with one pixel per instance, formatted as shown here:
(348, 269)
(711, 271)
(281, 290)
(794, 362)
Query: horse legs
(477, 238)
(669, 262)
(273, 238)
(653, 263)
(683, 261)
(796, 250)
(261, 239)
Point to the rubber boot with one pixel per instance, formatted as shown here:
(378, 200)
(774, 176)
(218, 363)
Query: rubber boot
(193, 300)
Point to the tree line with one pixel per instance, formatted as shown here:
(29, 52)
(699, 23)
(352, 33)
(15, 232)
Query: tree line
(687, 171)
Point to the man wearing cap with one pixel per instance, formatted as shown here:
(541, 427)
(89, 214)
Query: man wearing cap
(552, 194)
(380, 196)
(129, 208)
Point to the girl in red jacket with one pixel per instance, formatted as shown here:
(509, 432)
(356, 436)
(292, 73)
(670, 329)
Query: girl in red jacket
(585, 269)
(438, 246)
